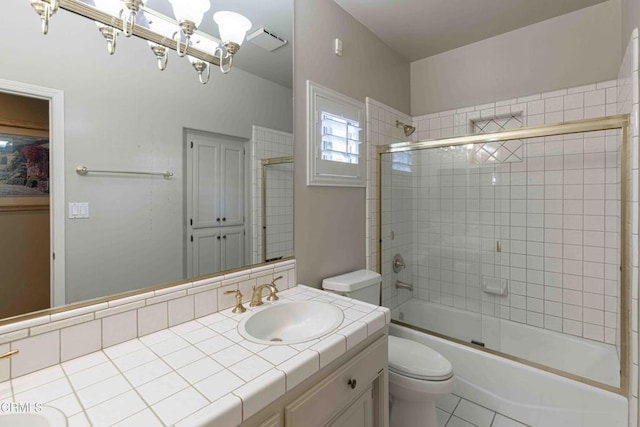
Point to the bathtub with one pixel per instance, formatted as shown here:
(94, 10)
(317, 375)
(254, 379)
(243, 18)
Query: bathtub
(531, 395)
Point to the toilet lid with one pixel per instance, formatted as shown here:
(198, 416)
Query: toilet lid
(415, 360)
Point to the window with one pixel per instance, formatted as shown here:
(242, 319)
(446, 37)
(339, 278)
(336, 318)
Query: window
(336, 150)
(402, 161)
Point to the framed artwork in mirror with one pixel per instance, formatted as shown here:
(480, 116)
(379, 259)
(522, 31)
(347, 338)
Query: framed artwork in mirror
(24, 172)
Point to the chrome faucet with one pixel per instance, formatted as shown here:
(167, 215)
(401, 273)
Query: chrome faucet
(256, 297)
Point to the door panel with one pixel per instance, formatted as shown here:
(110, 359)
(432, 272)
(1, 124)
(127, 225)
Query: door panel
(232, 247)
(359, 414)
(232, 188)
(206, 251)
(206, 207)
(215, 228)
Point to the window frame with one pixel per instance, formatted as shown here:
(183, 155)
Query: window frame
(342, 174)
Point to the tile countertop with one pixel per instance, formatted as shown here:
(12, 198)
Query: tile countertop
(202, 370)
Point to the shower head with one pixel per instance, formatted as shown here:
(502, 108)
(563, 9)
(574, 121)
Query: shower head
(408, 129)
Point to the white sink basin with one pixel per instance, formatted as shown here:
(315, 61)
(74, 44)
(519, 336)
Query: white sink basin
(291, 322)
(48, 417)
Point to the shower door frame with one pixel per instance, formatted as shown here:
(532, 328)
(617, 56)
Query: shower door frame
(620, 122)
(263, 192)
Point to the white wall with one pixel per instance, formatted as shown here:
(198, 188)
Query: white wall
(122, 113)
(329, 221)
(570, 50)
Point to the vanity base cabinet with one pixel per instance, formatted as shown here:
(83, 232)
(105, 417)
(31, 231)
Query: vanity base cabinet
(358, 414)
(273, 421)
(353, 394)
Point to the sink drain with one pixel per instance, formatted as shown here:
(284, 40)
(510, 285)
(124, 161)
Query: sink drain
(275, 340)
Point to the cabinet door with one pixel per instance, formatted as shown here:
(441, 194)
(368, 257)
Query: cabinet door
(329, 398)
(206, 189)
(232, 184)
(273, 421)
(358, 414)
(232, 247)
(206, 251)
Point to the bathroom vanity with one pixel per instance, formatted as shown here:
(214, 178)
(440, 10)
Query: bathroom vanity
(205, 372)
(352, 395)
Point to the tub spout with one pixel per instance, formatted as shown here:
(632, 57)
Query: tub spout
(402, 285)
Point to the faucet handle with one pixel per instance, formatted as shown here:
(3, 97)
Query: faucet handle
(273, 282)
(239, 308)
(272, 290)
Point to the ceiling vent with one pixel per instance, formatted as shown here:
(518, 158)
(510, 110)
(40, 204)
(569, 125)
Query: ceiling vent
(266, 39)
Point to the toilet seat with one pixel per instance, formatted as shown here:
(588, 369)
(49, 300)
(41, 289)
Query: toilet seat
(415, 360)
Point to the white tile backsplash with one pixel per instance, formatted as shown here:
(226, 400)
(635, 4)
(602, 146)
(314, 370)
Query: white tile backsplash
(119, 328)
(5, 371)
(181, 310)
(38, 352)
(152, 318)
(81, 339)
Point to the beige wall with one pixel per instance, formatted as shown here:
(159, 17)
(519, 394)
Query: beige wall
(330, 222)
(630, 20)
(570, 50)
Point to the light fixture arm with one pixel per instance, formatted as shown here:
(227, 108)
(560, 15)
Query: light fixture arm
(187, 41)
(45, 9)
(111, 36)
(129, 16)
(128, 20)
(187, 28)
(223, 53)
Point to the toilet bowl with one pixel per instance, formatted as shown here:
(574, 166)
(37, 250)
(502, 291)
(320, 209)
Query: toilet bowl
(417, 374)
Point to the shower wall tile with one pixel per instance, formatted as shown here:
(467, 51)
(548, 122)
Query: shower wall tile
(550, 212)
(398, 203)
(557, 214)
(269, 143)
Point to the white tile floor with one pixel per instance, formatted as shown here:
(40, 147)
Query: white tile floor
(453, 411)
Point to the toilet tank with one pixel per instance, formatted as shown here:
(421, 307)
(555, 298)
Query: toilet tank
(363, 285)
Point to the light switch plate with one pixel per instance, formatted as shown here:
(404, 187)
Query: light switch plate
(78, 210)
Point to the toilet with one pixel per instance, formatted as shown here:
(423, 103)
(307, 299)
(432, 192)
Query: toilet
(417, 373)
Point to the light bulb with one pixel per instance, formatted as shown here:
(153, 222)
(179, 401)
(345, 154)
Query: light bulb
(232, 26)
(112, 7)
(192, 10)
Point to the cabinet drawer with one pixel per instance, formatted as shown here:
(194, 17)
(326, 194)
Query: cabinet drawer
(328, 398)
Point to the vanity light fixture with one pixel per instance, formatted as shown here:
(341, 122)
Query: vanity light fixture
(189, 16)
(44, 9)
(233, 28)
(161, 32)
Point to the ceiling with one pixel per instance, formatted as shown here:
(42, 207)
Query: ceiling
(275, 15)
(418, 29)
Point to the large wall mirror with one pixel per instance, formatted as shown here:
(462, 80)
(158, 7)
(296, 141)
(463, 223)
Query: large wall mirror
(227, 143)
